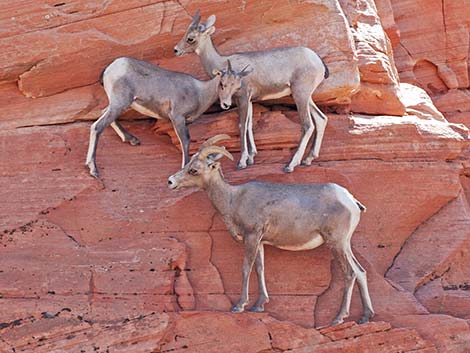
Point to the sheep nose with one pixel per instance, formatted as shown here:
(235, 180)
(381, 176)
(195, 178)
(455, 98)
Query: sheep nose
(224, 105)
(171, 183)
(176, 50)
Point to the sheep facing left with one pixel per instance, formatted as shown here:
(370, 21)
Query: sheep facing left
(287, 216)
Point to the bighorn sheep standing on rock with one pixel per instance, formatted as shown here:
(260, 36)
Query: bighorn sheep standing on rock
(152, 91)
(287, 216)
(276, 73)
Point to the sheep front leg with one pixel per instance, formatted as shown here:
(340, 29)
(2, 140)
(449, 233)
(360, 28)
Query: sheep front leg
(251, 140)
(258, 307)
(251, 251)
(243, 110)
(182, 132)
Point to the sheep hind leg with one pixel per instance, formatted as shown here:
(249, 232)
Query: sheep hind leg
(349, 280)
(120, 97)
(320, 120)
(367, 309)
(110, 114)
(124, 134)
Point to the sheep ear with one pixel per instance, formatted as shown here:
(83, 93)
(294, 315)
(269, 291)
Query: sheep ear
(214, 157)
(212, 161)
(209, 31)
(210, 21)
(245, 71)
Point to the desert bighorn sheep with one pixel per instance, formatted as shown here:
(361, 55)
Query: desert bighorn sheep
(276, 73)
(287, 216)
(152, 91)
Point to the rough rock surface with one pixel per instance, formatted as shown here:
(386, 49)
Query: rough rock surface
(189, 332)
(433, 52)
(126, 265)
(379, 92)
(124, 247)
(66, 50)
(60, 49)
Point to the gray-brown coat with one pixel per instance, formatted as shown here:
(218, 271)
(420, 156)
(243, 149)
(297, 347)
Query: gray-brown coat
(287, 216)
(155, 92)
(276, 73)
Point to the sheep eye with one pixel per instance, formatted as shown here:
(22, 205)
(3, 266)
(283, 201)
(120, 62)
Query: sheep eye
(190, 40)
(192, 172)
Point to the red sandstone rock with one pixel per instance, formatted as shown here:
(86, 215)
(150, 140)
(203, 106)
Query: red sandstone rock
(379, 91)
(349, 329)
(444, 298)
(73, 51)
(435, 56)
(437, 252)
(29, 16)
(417, 102)
(196, 332)
(362, 133)
(140, 215)
(67, 332)
(286, 336)
(84, 264)
(76, 104)
(449, 292)
(449, 334)
(385, 11)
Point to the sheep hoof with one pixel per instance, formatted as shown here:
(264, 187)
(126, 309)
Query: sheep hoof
(93, 170)
(95, 174)
(337, 321)
(237, 309)
(288, 169)
(134, 141)
(241, 166)
(256, 309)
(366, 317)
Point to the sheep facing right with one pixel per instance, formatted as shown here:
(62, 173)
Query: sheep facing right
(288, 216)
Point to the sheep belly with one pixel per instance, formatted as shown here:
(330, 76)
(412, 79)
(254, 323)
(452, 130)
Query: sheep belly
(315, 241)
(285, 92)
(143, 110)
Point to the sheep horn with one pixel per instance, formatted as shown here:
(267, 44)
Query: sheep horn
(213, 140)
(206, 152)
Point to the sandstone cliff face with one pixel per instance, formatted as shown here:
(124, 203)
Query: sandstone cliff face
(433, 51)
(126, 265)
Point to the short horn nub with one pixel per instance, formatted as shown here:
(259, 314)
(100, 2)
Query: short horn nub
(213, 140)
(196, 19)
(229, 67)
(207, 151)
